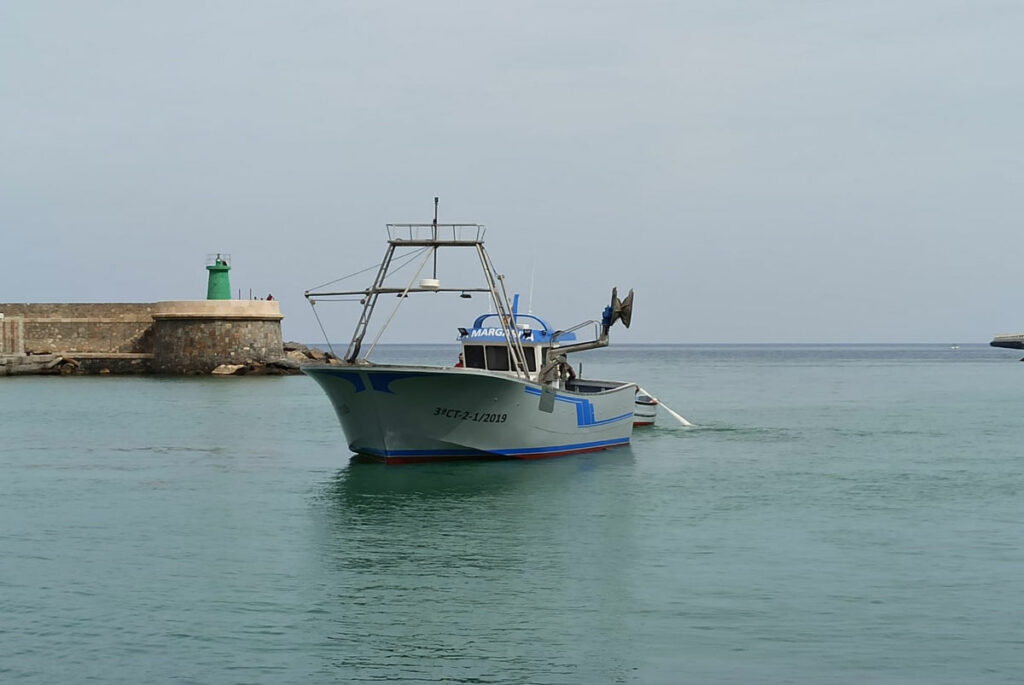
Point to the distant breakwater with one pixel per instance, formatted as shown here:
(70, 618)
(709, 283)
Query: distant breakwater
(182, 337)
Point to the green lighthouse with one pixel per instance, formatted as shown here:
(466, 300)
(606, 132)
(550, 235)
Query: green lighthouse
(219, 287)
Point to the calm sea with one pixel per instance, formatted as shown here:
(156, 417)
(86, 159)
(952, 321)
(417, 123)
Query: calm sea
(840, 514)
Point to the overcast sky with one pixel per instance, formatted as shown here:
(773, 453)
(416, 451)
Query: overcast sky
(786, 171)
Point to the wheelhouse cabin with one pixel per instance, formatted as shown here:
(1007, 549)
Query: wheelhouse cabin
(485, 346)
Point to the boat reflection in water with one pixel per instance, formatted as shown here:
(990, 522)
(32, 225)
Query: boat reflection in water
(366, 486)
(373, 515)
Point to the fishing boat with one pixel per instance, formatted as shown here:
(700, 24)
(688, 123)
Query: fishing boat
(512, 395)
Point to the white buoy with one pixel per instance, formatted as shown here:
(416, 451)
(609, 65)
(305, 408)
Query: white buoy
(680, 418)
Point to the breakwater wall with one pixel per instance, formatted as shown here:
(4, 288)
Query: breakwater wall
(83, 327)
(203, 334)
(177, 337)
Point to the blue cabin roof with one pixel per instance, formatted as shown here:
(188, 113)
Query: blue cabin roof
(532, 329)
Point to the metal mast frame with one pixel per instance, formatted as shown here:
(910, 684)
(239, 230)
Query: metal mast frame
(495, 284)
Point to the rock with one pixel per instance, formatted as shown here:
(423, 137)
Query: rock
(293, 346)
(284, 364)
(230, 370)
(296, 355)
(276, 367)
(316, 354)
(66, 367)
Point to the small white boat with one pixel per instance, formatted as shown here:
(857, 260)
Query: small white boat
(514, 395)
(646, 410)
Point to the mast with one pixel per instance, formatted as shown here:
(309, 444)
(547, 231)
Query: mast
(502, 307)
(435, 236)
(431, 237)
(369, 302)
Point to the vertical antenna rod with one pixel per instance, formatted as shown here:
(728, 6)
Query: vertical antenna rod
(435, 237)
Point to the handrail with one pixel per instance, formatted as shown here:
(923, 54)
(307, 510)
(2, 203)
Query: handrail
(558, 334)
(478, 323)
(446, 233)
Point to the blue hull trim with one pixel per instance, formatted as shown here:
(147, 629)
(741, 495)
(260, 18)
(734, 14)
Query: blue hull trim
(564, 448)
(584, 409)
(551, 451)
(418, 453)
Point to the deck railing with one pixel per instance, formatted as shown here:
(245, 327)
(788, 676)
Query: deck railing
(449, 233)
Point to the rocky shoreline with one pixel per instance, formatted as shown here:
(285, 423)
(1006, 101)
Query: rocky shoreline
(296, 355)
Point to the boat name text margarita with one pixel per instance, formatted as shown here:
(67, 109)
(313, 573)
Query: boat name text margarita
(491, 333)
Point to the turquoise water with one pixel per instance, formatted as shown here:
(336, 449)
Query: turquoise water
(842, 514)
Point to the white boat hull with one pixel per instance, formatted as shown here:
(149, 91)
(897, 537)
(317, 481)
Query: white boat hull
(418, 413)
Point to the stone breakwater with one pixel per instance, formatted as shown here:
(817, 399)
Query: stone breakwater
(177, 337)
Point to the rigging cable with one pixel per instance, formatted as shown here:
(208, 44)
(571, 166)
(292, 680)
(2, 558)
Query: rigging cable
(401, 298)
(312, 305)
(408, 258)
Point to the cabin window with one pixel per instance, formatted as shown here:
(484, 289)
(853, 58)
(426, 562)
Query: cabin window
(474, 356)
(497, 358)
(531, 357)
